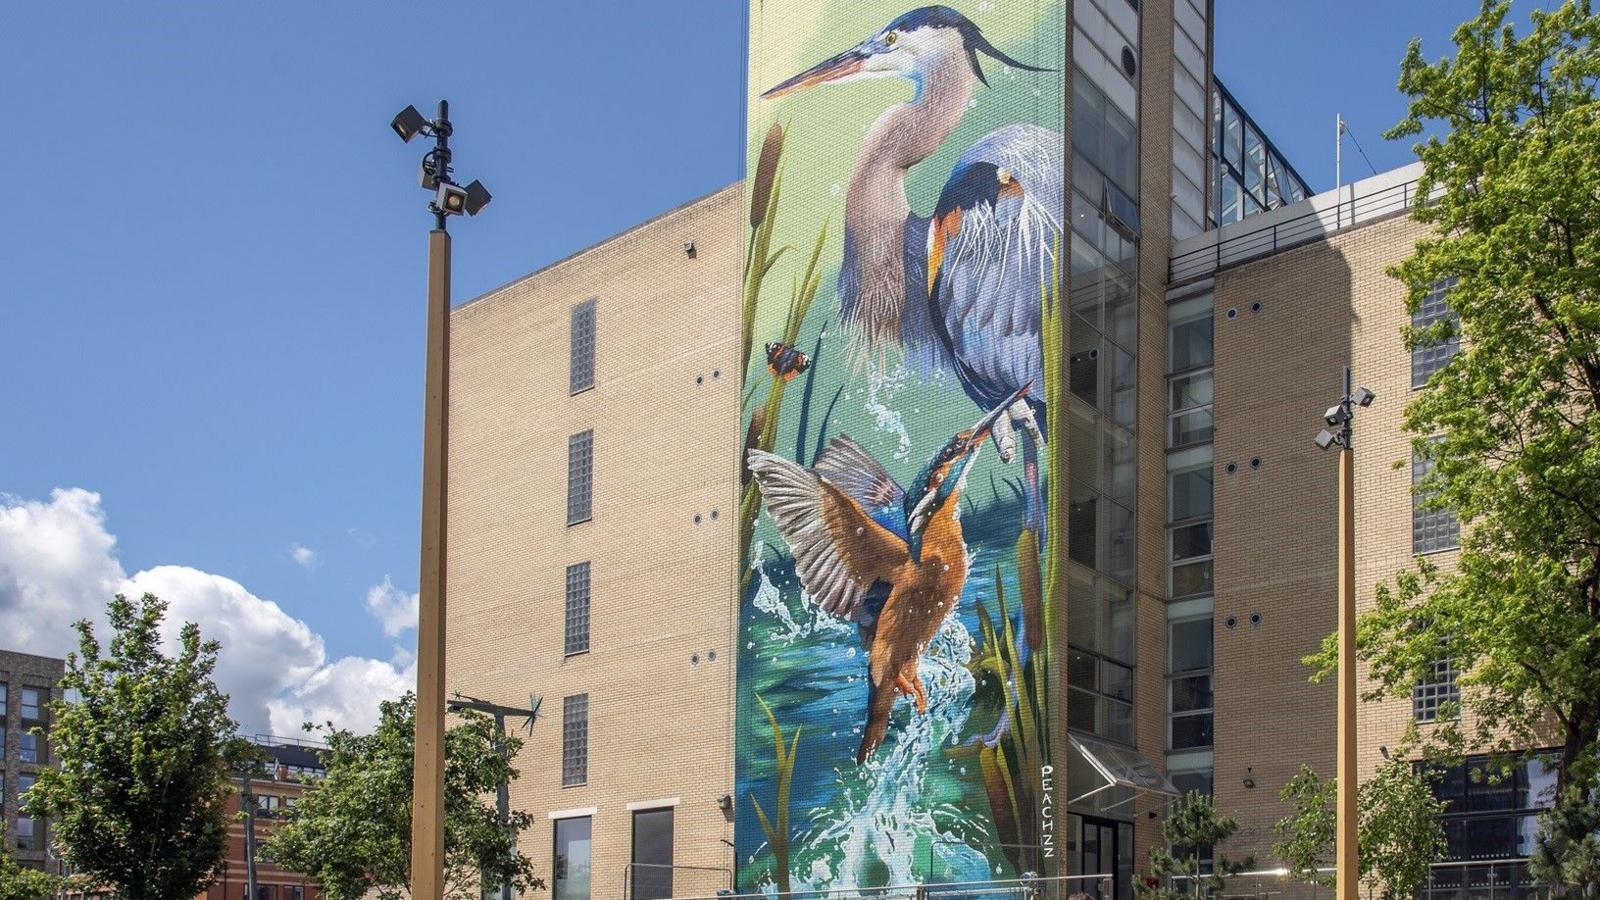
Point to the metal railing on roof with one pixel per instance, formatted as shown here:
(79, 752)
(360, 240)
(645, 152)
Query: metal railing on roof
(1274, 234)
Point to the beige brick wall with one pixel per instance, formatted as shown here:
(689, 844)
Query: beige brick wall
(660, 672)
(1322, 306)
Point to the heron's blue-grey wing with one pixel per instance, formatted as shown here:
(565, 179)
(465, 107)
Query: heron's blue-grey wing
(840, 552)
(991, 269)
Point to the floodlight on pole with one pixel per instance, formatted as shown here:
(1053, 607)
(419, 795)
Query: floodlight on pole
(1342, 416)
(449, 198)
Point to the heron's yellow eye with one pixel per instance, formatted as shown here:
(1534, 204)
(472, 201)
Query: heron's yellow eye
(890, 38)
(1005, 176)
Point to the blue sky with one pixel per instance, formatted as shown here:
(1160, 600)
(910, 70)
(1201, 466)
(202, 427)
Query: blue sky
(212, 308)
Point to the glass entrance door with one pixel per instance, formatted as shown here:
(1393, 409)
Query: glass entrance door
(1106, 848)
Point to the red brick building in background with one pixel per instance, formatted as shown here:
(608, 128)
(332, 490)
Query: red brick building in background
(291, 764)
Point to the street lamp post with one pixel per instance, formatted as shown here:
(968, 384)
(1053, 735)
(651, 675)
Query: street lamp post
(1341, 416)
(427, 799)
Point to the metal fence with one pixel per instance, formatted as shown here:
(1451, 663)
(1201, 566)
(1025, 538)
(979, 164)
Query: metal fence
(1060, 887)
(1273, 234)
(1502, 879)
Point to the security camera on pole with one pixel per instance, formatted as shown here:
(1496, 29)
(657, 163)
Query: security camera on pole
(427, 800)
(1341, 416)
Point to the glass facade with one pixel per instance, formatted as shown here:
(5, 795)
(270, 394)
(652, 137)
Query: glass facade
(1248, 173)
(1101, 365)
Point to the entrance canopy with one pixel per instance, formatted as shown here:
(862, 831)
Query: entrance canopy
(1124, 772)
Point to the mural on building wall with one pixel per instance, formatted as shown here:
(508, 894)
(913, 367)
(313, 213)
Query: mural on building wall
(904, 258)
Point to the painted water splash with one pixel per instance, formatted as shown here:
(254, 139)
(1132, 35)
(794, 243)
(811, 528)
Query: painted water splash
(768, 599)
(881, 829)
(883, 385)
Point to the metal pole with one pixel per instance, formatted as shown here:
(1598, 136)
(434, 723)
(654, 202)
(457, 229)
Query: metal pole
(1338, 170)
(1345, 820)
(427, 812)
(502, 794)
(249, 798)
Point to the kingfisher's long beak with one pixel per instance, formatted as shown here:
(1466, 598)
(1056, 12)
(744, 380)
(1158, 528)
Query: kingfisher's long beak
(986, 424)
(844, 65)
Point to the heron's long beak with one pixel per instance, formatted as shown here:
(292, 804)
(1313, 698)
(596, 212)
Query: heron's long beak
(986, 424)
(842, 66)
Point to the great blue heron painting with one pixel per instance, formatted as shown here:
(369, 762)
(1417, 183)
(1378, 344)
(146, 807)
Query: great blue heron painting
(958, 287)
(904, 276)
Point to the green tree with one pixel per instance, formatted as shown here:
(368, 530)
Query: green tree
(1567, 849)
(1191, 831)
(1306, 836)
(1399, 836)
(18, 882)
(351, 830)
(1511, 164)
(138, 798)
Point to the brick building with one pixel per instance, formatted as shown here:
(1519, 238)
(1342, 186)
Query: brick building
(596, 477)
(27, 685)
(290, 765)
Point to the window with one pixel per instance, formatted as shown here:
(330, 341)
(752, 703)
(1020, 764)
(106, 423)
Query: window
(1439, 688)
(1189, 492)
(1189, 334)
(266, 892)
(577, 608)
(1189, 418)
(3, 697)
(268, 805)
(1100, 696)
(575, 741)
(1432, 529)
(581, 377)
(1492, 812)
(1435, 307)
(1191, 712)
(30, 751)
(1189, 644)
(580, 477)
(25, 832)
(30, 704)
(1191, 571)
(652, 854)
(570, 869)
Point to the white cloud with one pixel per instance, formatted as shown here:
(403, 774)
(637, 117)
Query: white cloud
(58, 564)
(395, 609)
(305, 557)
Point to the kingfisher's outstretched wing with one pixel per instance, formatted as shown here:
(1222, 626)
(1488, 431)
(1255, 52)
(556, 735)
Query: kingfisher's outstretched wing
(848, 466)
(840, 551)
(989, 250)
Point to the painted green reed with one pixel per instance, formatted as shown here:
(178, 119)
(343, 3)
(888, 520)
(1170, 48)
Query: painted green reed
(776, 827)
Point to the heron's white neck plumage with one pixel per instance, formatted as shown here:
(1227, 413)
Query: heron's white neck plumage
(876, 206)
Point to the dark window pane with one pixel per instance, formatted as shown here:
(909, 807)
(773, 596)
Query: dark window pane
(1191, 694)
(1190, 493)
(1191, 541)
(652, 854)
(1191, 731)
(1191, 644)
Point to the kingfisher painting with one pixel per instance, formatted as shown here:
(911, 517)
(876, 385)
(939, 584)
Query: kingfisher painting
(890, 560)
(904, 276)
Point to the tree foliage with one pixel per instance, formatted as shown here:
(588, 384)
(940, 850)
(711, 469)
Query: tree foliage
(18, 882)
(1567, 849)
(1399, 836)
(351, 830)
(138, 797)
(1511, 425)
(1179, 868)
